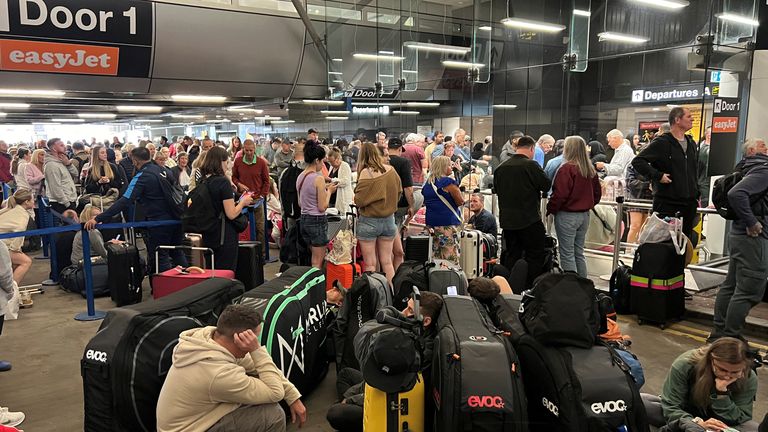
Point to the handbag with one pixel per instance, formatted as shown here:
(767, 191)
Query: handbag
(240, 223)
(657, 230)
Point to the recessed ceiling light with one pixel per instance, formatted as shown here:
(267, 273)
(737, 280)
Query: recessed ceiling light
(68, 120)
(322, 102)
(740, 19)
(31, 93)
(218, 121)
(580, 12)
(337, 60)
(283, 121)
(380, 56)
(403, 112)
(618, 37)
(330, 112)
(422, 104)
(485, 28)
(13, 105)
(335, 73)
(139, 108)
(188, 116)
(267, 118)
(242, 109)
(461, 64)
(666, 4)
(198, 98)
(505, 106)
(2, 114)
(148, 121)
(526, 24)
(431, 47)
(336, 118)
(96, 115)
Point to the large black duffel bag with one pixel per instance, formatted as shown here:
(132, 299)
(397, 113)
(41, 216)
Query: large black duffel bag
(579, 390)
(476, 374)
(125, 364)
(294, 331)
(72, 279)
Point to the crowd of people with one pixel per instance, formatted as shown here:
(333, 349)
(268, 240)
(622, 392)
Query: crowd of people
(388, 181)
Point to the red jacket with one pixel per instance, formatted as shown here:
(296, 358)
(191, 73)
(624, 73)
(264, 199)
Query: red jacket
(5, 168)
(573, 192)
(255, 176)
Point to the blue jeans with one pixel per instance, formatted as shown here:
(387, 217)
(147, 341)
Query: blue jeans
(571, 231)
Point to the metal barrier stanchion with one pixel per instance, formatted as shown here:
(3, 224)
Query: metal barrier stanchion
(617, 232)
(91, 314)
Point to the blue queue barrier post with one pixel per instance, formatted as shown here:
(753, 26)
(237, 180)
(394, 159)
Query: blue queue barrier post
(251, 223)
(91, 314)
(6, 192)
(42, 222)
(53, 278)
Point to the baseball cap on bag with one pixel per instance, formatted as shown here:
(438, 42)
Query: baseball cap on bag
(388, 357)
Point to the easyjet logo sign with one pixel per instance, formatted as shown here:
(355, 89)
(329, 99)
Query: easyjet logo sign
(29, 56)
(725, 124)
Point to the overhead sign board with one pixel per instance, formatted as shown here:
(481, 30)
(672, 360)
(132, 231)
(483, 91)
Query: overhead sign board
(369, 93)
(91, 37)
(725, 134)
(674, 93)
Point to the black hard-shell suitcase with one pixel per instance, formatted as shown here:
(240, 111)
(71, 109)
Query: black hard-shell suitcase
(250, 264)
(294, 330)
(579, 390)
(418, 248)
(126, 273)
(446, 278)
(658, 283)
(125, 363)
(476, 374)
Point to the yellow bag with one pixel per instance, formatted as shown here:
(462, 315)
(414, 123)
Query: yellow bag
(408, 408)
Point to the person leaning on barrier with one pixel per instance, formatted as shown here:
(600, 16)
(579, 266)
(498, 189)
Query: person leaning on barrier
(145, 188)
(223, 380)
(712, 387)
(745, 284)
(15, 218)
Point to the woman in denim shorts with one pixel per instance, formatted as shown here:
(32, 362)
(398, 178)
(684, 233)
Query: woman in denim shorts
(376, 196)
(314, 195)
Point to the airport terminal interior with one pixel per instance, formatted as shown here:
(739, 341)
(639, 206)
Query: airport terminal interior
(521, 216)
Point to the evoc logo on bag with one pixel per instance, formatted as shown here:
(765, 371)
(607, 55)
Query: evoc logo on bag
(99, 356)
(609, 407)
(550, 407)
(486, 402)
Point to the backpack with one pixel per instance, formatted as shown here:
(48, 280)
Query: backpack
(620, 289)
(561, 309)
(723, 185)
(410, 274)
(174, 196)
(289, 196)
(200, 217)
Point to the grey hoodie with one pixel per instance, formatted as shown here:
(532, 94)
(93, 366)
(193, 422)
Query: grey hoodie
(59, 180)
(6, 278)
(755, 182)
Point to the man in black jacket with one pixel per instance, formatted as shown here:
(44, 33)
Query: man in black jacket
(745, 283)
(671, 162)
(520, 183)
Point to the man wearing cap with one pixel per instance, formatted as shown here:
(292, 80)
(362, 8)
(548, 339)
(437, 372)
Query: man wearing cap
(406, 205)
(312, 134)
(389, 361)
(509, 147)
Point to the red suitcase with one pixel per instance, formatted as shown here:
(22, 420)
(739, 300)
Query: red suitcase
(176, 279)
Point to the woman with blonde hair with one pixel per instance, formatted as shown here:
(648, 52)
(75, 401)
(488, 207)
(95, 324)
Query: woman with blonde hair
(33, 172)
(443, 200)
(713, 387)
(102, 175)
(575, 191)
(15, 218)
(376, 196)
(97, 241)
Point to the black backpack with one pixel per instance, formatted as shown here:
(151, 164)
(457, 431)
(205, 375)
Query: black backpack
(620, 289)
(174, 196)
(408, 275)
(723, 185)
(201, 216)
(289, 196)
(561, 309)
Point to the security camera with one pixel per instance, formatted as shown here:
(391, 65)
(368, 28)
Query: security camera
(282, 106)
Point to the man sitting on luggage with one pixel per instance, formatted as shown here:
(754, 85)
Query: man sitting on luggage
(480, 218)
(223, 380)
(347, 416)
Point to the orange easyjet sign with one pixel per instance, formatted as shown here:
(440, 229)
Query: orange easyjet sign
(29, 56)
(725, 124)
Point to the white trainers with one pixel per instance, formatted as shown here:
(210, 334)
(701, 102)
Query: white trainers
(9, 418)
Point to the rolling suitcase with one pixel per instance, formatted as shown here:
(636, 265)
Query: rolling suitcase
(658, 283)
(471, 258)
(343, 275)
(394, 412)
(446, 279)
(176, 279)
(250, 264)
(579, 390)
(125, 363)
(126, 273)
(418, 248)
(476, 374)
(294, 331)
(194, 257)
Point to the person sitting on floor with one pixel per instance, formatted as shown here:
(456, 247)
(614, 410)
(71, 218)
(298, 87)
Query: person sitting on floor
(347, 415)
(97, 241)
(712, 387)
(222, 380)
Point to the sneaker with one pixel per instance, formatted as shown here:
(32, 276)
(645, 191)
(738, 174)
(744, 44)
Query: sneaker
(11, 419)
(5, 366)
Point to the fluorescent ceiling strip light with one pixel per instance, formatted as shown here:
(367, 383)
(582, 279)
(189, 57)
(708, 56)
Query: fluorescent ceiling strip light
(335, 73)
(329, 112)
(337, 60)
(45, 123)
(67, 120)
(386, 76)
(96, 115)
(31, 93)
(179, 124)
(368, 56)
(188, 116)
(149, 121)
(13, 105)
(666, 4)
(218, 121)
(336, 118)
(740, 19)
(422, 104)
(338, 81)
(198, 98)
(410, 71)
(139, 108)
(461, 64)
(2, 114)
(390, 53)
(505, 106)
(322, 102)
(241, 109)
(485, 28)
(580, 12)
(525, 24)
(266, 118)
(618, 37)
(402, 112)
(283, 121)
(431, 47)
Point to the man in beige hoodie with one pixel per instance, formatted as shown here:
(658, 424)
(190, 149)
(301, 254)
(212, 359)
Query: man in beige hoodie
(222, 380)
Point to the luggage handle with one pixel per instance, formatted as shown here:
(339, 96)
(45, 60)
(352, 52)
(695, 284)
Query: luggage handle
(157, 254)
